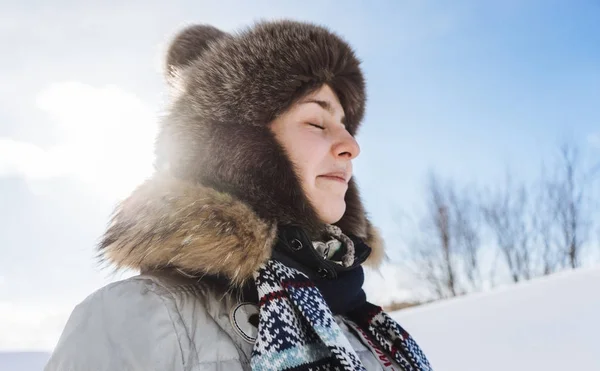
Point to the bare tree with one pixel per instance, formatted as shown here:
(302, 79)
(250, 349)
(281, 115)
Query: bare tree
(466, 228)
(507, 214)
(544, 222)
(447, 255)
(538, 230)
(569, 197)
(434, 252)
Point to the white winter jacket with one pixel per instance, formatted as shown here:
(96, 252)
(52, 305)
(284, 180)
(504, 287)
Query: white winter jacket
(165, 322)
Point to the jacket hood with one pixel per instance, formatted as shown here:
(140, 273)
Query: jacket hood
(171, 223)
(223, 183)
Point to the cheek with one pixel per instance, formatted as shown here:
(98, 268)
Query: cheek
(309, 163)
(307, 173)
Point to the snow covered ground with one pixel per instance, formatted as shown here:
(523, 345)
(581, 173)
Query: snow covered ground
(549, 324)
(23, 361)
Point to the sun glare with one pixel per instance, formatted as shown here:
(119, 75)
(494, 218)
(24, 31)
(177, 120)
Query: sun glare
(106, 138)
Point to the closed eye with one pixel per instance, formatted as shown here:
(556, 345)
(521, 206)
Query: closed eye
(316, 126)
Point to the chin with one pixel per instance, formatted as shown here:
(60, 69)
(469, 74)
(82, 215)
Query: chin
(332, 212)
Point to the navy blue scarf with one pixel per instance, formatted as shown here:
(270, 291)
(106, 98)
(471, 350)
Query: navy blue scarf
(298, 294)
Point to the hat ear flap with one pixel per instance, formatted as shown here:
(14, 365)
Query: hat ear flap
(188, 46)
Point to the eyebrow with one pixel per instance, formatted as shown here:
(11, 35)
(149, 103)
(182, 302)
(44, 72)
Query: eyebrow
(326, 105)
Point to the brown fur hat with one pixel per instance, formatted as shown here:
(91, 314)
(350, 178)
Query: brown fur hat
(227, 88)
(230, 87)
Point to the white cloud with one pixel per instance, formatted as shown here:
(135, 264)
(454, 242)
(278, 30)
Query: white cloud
(106, 138)
(26, 159)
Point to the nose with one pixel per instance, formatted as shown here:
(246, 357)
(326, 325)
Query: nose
(345, 146)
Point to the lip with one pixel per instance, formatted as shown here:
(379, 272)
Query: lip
(339, 176)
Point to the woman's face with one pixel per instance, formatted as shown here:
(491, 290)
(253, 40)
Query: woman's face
(314, 136)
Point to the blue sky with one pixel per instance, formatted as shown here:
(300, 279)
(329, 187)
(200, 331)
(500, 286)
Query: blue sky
(467, 89)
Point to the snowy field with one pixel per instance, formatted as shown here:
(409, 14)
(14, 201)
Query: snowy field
(548, 324)
(23, 361)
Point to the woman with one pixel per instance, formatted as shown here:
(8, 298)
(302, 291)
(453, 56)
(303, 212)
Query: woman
(250, 237)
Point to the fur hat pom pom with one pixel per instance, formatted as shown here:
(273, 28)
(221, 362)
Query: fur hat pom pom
(187, 46)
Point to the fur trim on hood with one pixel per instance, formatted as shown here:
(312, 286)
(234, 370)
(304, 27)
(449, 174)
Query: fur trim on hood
(171, 223)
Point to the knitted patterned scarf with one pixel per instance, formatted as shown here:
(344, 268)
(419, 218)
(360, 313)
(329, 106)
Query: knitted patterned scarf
(297, 330)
